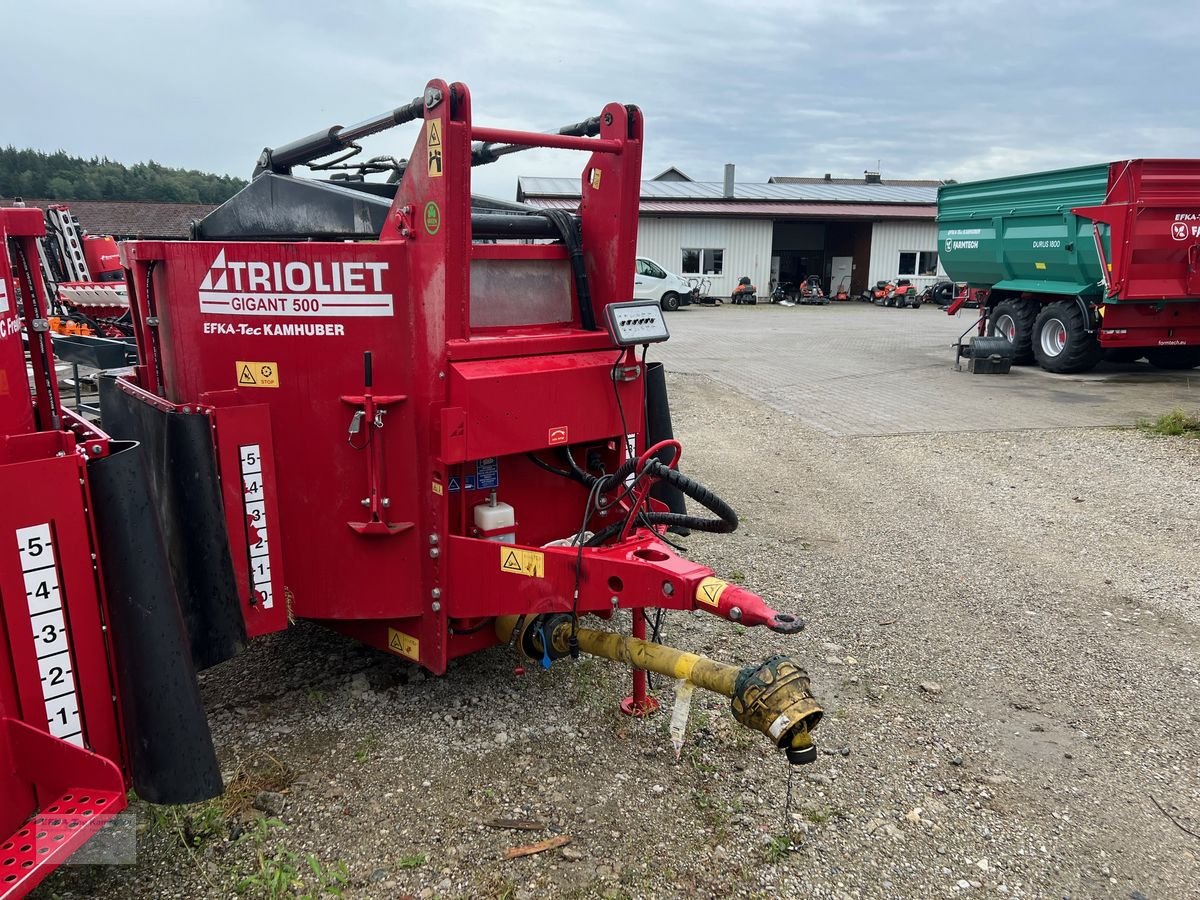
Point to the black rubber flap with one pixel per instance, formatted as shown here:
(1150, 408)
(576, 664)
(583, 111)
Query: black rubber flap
(658, 428)
(170, 747)
(182, 465)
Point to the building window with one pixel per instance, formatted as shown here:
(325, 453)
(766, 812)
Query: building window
(705, 261)
(912, 262)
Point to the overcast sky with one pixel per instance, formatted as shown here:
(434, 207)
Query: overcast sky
(941, 89)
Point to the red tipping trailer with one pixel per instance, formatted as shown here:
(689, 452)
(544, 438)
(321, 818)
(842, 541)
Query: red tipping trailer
(1083, 263)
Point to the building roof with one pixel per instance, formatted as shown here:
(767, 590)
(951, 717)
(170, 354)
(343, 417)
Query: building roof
(894, 182)
(530, 189)
(670, 173)
(131, 218)
(751, 209)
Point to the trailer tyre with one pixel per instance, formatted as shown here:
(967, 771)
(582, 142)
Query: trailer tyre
(1061, 342)
(1014, 319)
(1174, 357)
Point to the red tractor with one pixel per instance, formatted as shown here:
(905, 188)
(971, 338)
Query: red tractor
(379, 406)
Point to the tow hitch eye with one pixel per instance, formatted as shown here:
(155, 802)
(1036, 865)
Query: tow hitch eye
(735, 603)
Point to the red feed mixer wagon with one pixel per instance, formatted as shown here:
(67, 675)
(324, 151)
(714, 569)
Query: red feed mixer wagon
(416, 417)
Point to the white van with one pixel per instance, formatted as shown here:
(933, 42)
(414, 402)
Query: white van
(653, 282)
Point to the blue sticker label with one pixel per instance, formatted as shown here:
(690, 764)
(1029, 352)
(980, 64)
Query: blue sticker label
(486, 477)
(487, 474)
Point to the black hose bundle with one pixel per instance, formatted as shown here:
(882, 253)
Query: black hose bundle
(726, 519)
(568, 226)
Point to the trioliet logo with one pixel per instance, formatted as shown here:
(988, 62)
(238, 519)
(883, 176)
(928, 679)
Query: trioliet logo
(297, 288)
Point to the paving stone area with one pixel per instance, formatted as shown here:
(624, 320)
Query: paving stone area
(852, 369)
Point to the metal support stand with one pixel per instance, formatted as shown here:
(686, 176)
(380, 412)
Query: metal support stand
(639, 703)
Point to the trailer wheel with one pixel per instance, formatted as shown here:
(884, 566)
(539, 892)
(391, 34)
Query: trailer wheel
(670, 301)
(1014, 319)
(1061, 342)
(1174, 357)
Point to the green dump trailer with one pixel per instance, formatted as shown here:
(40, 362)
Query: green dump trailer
(1084, 264)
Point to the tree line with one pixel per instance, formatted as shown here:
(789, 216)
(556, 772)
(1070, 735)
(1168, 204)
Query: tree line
(58, 176)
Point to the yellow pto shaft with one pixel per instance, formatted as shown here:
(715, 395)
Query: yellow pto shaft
(772, 698)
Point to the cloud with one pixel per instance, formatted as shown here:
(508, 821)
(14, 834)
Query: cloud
(939, 89)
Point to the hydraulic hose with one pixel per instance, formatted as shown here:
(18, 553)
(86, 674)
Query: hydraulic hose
(725, 522)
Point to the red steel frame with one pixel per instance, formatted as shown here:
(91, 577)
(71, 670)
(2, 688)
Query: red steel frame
(61, 756)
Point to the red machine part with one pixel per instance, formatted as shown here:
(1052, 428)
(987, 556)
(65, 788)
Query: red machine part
(103, 258)
(364, 398)
(376, 476)
(1152, 211)
(60, 750)
(1152, 214)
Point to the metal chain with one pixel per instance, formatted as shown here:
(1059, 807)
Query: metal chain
(787, 803)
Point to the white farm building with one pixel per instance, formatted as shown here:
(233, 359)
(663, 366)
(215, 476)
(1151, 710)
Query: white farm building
(850, 232)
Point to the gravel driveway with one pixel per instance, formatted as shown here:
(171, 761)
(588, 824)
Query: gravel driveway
(1004, 630)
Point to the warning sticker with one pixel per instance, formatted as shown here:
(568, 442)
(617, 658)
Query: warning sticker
(594, 179)
(433, 145)
(404, 644)
(557, 435)
(437, 488)
(257, 374)
(710, 590)
(523, 562)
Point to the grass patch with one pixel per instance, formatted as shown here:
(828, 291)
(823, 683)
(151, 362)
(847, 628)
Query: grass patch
(197, 824)
(413, 861)
(778, 849)
(1176, 423)
(282, 873)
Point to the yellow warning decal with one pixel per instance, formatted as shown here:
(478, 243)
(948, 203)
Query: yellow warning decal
(437, 488)
(1038, 265)
(523, 562)
(404, 644)
(594, 179)
(433, 147)
(709, 591)
(257, 374)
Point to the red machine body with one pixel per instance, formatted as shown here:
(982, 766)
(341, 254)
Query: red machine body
(320, 423)
(479, 357)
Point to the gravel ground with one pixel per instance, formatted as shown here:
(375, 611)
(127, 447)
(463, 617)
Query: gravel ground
(1003, 630)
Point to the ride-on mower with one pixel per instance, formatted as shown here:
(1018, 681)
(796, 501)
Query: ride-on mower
(374, 405)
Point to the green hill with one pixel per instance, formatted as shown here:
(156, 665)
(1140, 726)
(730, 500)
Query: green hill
(58, 176)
